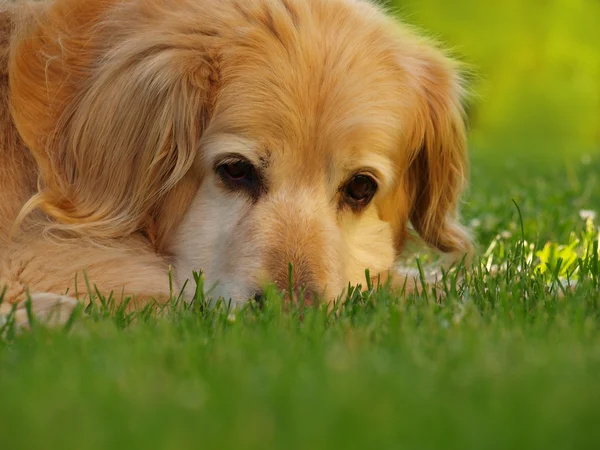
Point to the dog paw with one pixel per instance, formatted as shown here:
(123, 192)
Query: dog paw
(48, 309)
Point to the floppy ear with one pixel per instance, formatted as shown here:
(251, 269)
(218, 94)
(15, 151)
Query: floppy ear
(112, 109)
(433, 165)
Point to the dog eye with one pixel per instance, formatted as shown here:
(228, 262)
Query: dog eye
(239, 174)
(360, 190)
(236, 171)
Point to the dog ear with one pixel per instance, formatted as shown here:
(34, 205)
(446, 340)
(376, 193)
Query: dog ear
(433, 164)
(112, 108)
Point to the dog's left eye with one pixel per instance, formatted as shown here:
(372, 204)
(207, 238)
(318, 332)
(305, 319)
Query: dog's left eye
(236, 171)
(359, 191)
(239, 175)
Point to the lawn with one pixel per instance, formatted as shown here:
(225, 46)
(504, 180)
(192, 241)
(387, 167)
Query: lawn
(505, 355)
(505, 359)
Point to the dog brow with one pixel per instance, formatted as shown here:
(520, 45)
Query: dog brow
(380, 166)
(220, 145)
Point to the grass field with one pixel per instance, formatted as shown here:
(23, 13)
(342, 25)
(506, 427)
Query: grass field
(507, 358)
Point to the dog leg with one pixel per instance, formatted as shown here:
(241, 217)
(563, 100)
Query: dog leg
(50, 309)
(127, 268)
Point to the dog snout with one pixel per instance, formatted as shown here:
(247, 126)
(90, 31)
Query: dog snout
(295, 278)
(304, 295)
(299, 243)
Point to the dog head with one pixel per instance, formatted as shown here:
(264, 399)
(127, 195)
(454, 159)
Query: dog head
(240, 137)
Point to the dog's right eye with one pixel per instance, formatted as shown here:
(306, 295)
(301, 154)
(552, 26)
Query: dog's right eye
(359, 191)
(239, 175)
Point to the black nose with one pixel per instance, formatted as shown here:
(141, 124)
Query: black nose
(259, 298)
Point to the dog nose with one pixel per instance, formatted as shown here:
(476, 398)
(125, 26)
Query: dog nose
(304, 295)
(259, 298)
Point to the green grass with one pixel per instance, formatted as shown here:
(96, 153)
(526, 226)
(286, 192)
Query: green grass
(537, 67)
(503, 359)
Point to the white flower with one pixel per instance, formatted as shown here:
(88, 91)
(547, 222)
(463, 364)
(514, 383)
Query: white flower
(475, 223)
(587, 214)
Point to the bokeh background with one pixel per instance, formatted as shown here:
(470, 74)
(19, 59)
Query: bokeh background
(535, 111)
(536, 66)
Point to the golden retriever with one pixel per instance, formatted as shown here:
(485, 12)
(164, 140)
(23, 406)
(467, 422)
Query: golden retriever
(231, 137)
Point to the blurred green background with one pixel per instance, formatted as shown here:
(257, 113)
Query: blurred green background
(536, 66)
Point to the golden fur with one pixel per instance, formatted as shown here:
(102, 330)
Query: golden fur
(114, 114)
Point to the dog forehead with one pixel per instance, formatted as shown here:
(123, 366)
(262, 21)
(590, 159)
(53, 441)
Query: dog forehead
(331, 123)
(318, 95)
(314, 79)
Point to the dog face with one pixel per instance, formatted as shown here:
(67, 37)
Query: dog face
(267, 200)
(241, 137)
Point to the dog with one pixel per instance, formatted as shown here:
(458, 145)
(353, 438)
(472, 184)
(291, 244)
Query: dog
(144, 139)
